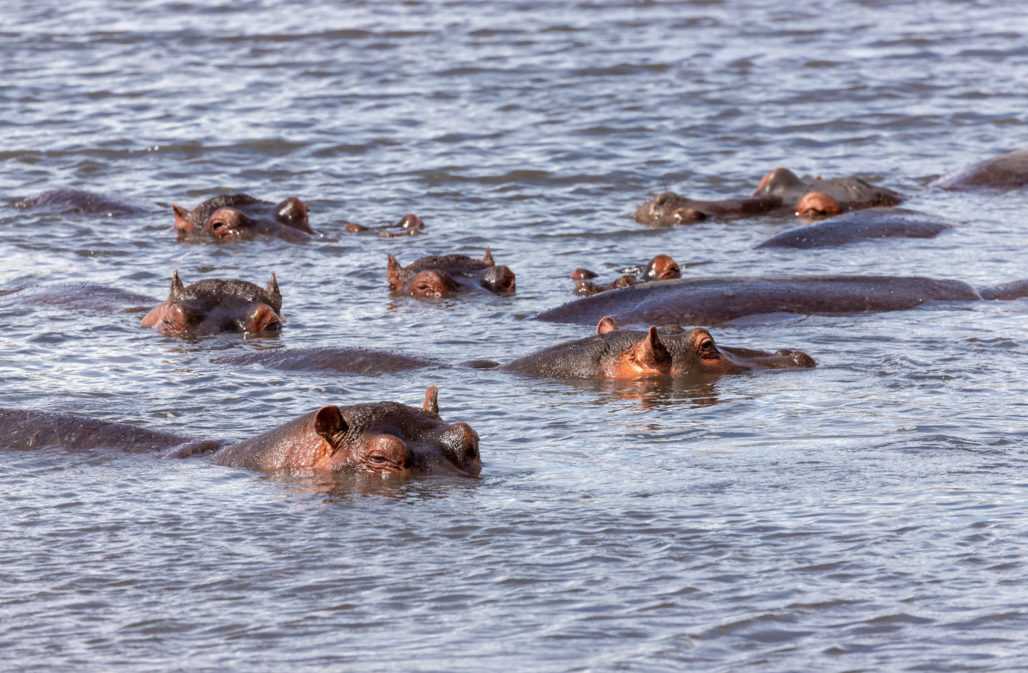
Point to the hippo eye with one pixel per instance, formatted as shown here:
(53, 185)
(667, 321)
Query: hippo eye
(378, 459)
(663, 199)
(708, 350)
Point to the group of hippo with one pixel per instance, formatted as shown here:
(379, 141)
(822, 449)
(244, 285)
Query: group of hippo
(389, 438)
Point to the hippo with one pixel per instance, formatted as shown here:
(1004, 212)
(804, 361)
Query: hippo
(77, 202)
(26, 429)
(409, 225)
(779, 192)
(1007, 171)
(216, 305)
(232, 217)
(709, 301)
(444, 276)
(661, 267)
(614, 353)
(383, 438)
(361, 361)
(91, 298)
(860, 225)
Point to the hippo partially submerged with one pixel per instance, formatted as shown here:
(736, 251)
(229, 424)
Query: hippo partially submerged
(217, 305)
(779, 192)
(447, 275)
(660, 267)
(861, 225)
(409, 225)
(384, 438)
(627, 354)
(1007, 171)
(232, 217)
(361, 361)
(708, 301)
(77, 202)
(25, 429)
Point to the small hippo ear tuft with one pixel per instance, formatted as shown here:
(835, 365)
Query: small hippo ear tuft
(177, 287)
(328, 421)
(182, 223)
(488, 257)
(431, 403)
(393, 272)
(606, 324)
(273, 286)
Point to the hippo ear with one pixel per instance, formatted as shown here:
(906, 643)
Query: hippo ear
(651, 349)
(272, 288)
(329, 421)
(606, 324)
(182, 223)
(431, 403)
(488, 257)
(177, 287)
(393, 273)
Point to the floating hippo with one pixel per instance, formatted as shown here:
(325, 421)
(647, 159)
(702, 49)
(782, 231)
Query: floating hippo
(779, 192)
(215, 305)
(661, 267)
(25, 429)
(77, 202)
(232, 217)
(709, 301)
(360, 361)
(409, 225)
(444, 276)
(861, 225)
(627, 354)
(1007, 171)
(89, 298)
(385, 438)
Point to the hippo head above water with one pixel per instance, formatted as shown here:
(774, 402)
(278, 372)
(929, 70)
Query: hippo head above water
(386, 439)
(447, 275)
(215, 305)
(240, 216)
(818, 197)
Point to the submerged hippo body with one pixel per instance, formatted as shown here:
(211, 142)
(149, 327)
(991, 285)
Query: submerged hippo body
(360, 361)
(384, 438)
(861, 225)
(447, 275)
(91, 298)
(217, 305)
(1007, 171)
(708, 301)
(673, 353)
(25, 429)
(661, 267)
(779, 192)
(78, 202)
(409, 225)
(231, 217)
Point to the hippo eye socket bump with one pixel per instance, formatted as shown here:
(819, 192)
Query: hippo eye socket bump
(707, 349)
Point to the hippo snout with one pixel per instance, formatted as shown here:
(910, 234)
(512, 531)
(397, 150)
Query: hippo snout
(499, 279)
(460, 444)
(799, 359)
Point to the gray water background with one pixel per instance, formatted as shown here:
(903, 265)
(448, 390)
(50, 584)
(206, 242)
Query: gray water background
(867, 515)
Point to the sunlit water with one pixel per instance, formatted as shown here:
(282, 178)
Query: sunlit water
(866, 515)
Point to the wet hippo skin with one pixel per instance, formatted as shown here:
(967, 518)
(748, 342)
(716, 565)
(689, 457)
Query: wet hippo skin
(438, 276)
(708, 301)
(860, 225)
(384, 438)
(217, 305)
(361, 361)
(232, 217)
(1006, 171)
(77, 202)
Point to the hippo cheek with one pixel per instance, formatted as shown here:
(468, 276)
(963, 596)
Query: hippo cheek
(431, 285)
(263, 320)
(169, 319)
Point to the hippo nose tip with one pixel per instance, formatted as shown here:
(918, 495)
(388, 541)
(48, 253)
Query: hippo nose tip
(461, 442)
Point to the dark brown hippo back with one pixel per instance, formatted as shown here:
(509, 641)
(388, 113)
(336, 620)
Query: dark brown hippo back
(361, 361)
(1007, 171)
(707, 301)
(860, 225)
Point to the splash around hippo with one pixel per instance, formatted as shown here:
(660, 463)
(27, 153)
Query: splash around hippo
(386, 439)
(217, 305)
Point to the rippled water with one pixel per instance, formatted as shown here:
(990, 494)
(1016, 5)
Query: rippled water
(866, 515)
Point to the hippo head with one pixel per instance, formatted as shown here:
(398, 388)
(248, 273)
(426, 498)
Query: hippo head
(816, 205)
(437, 277)
(497, 279)
(668, 208)
(695, 352)
(642, 358)
(238, 217)
(661, 267)
(393, 440)
(211, 306)
(781, 182)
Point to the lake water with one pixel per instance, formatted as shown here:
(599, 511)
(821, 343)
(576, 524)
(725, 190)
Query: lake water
(866, 515)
